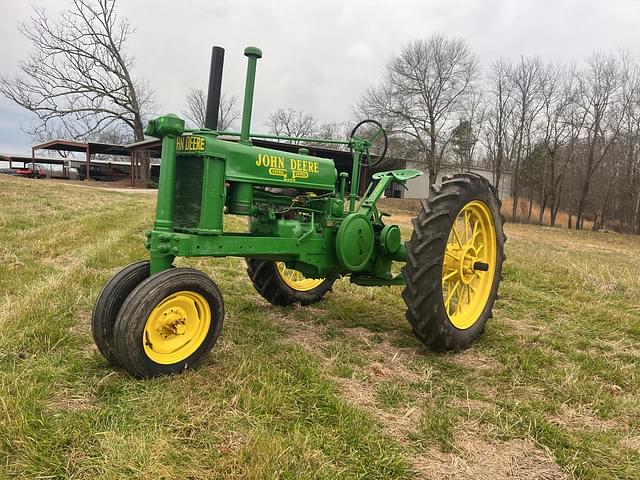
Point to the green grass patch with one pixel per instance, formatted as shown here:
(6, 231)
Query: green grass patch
(341, 389)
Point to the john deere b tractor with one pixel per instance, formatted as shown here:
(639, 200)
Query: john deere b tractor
(307, 227)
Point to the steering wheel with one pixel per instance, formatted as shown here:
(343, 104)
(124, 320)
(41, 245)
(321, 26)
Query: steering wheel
(372, 136)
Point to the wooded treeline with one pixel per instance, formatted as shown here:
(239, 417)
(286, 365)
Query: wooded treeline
(568, 133)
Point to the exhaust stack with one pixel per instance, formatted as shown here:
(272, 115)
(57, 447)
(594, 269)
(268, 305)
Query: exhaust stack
(215, 86)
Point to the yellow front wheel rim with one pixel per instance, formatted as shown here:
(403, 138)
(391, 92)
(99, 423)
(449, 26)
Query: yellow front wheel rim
(295, 280)
(176, 327)
(469, 265)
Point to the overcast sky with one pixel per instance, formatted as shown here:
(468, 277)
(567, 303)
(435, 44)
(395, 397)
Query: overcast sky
(320, 56)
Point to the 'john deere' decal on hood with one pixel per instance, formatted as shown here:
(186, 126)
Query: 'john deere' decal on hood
(287, 168)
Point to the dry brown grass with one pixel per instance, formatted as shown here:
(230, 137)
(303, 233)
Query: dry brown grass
(70, 401)
(404, 209)
(478, 459)
(632, 443)
(582, 418)
(475, 360)
(522, 214)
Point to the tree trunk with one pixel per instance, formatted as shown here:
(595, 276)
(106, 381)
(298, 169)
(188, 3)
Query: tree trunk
(555, 208)
(530, 202)
(621, 219)
(636, 215)
(556, 198)
(514, 193)
(432, 177)
(433, 171)
(543, 193)
(605, 205)
(570, 207)
(581, 205)
(142, 155)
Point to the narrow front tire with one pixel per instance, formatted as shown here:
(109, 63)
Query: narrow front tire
(168, 323)
(110, 299)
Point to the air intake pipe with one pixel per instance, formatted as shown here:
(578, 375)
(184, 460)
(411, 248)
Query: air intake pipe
(254, 53)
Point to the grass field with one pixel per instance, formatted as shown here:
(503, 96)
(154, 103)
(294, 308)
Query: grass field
(338, 390)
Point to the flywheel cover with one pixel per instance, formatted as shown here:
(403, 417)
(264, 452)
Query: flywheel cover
(355, 242)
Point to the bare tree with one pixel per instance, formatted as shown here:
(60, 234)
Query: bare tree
(621, 162)
(496, 136)
(629, 195)
(422, 96)
(462, 142)
(292, 123)
(560, 133)
(79, 79)
(333, 131)
(466, 134)
(527, 81)
(196, 108)
(598, 95)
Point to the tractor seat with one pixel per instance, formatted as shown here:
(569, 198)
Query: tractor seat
(398, 175)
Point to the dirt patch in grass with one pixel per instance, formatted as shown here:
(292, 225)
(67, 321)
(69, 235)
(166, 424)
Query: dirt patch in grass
(82, 326)
(525, 326)
(476, 458)
(475, 406)
(304, 336)
(632, 443)
(582, 417)
(474, 360)
(397, 423)
(389, 360)
(72, 401)
(383, 363)
(233, 442)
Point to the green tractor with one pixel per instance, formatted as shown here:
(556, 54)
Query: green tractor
(307, 227)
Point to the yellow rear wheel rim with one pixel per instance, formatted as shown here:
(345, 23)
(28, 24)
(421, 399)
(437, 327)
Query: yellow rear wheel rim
(176, 328)
(295, 280)
(472, 243)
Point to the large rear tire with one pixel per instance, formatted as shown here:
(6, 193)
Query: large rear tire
(454, 263)
(282, 286)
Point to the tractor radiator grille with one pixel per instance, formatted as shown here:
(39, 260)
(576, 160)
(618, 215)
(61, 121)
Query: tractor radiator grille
(189, 174)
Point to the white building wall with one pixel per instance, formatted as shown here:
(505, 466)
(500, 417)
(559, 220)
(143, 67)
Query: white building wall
(419, 187)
